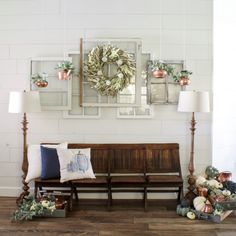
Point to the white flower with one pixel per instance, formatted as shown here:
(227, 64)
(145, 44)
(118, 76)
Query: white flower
(45, 203)
(104, 59)
(120, 75)
(32, 208)
(119, 62)
(108, 82)
(99, 72)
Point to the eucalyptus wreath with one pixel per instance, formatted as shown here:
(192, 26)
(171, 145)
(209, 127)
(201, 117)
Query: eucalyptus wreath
(105, 55)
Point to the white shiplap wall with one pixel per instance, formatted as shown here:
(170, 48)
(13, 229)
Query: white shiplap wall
(49, 28)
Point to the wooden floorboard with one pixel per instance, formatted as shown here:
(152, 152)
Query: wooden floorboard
(125, 218)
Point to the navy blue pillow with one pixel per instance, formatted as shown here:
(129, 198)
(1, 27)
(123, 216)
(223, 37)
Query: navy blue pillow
(50, 163)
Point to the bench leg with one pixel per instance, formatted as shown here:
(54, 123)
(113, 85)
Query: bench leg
(109, 197)
(76, 194)
(145, 198)
(180, 193)
(35, 190)
(71, 198)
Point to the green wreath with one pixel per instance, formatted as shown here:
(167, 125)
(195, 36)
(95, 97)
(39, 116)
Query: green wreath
(101, 56)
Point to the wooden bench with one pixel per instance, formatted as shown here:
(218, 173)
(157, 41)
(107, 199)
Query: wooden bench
(141, 168)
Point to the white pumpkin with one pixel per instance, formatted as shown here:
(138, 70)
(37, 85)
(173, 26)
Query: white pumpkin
(226, 192)
(214, 183)
(191, 215)
(219, 185)
(199, 203)
(200, 181)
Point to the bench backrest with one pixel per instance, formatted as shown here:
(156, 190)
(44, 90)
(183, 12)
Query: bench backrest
(163, 158)
(128, 158)
(133, 158)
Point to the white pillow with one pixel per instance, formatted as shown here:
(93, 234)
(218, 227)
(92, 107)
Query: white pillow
(75, 164)
(34, 160)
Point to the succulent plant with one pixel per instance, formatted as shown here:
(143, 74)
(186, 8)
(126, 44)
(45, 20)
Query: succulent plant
(66, 66)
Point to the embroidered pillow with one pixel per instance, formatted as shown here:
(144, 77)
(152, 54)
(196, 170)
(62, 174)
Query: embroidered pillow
(34, 160)
(50, 163)
(75, 164)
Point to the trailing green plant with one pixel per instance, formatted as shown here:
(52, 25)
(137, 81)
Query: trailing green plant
(66, 66)
(185, 73)
(32, 207)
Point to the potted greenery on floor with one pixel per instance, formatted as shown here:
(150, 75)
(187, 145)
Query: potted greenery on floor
(32, 208)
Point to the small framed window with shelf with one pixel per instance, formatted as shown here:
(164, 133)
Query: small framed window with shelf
(144, 111)
(164, 90)
(55, 94)
(77, 111)
(130, 96)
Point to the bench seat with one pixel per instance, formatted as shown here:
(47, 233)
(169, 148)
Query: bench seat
(98, 180)
(165, 179)
(127, 180)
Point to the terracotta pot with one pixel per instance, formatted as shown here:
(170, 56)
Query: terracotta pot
(224, 176)
(64, 75)
(184, 81)
(41, 84)
(202, 191)
(159, 73)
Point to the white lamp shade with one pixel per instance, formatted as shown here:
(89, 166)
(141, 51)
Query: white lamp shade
(194, 101)
(24, 102)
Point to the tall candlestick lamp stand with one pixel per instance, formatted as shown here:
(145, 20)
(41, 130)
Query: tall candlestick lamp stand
(193, 101)
(24, 102)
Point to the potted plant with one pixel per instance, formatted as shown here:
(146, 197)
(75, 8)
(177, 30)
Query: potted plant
(183, 77)
(66, 68)
(160, 69)
(40, 80)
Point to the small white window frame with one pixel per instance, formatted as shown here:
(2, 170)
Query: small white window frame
(45, 90)
(165, 83)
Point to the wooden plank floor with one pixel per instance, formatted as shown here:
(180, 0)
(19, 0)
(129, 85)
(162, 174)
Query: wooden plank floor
(91, 218)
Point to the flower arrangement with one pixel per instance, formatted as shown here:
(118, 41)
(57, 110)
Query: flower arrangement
(40, 80)
(66, 68)
(31, 208)
(105, 55)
